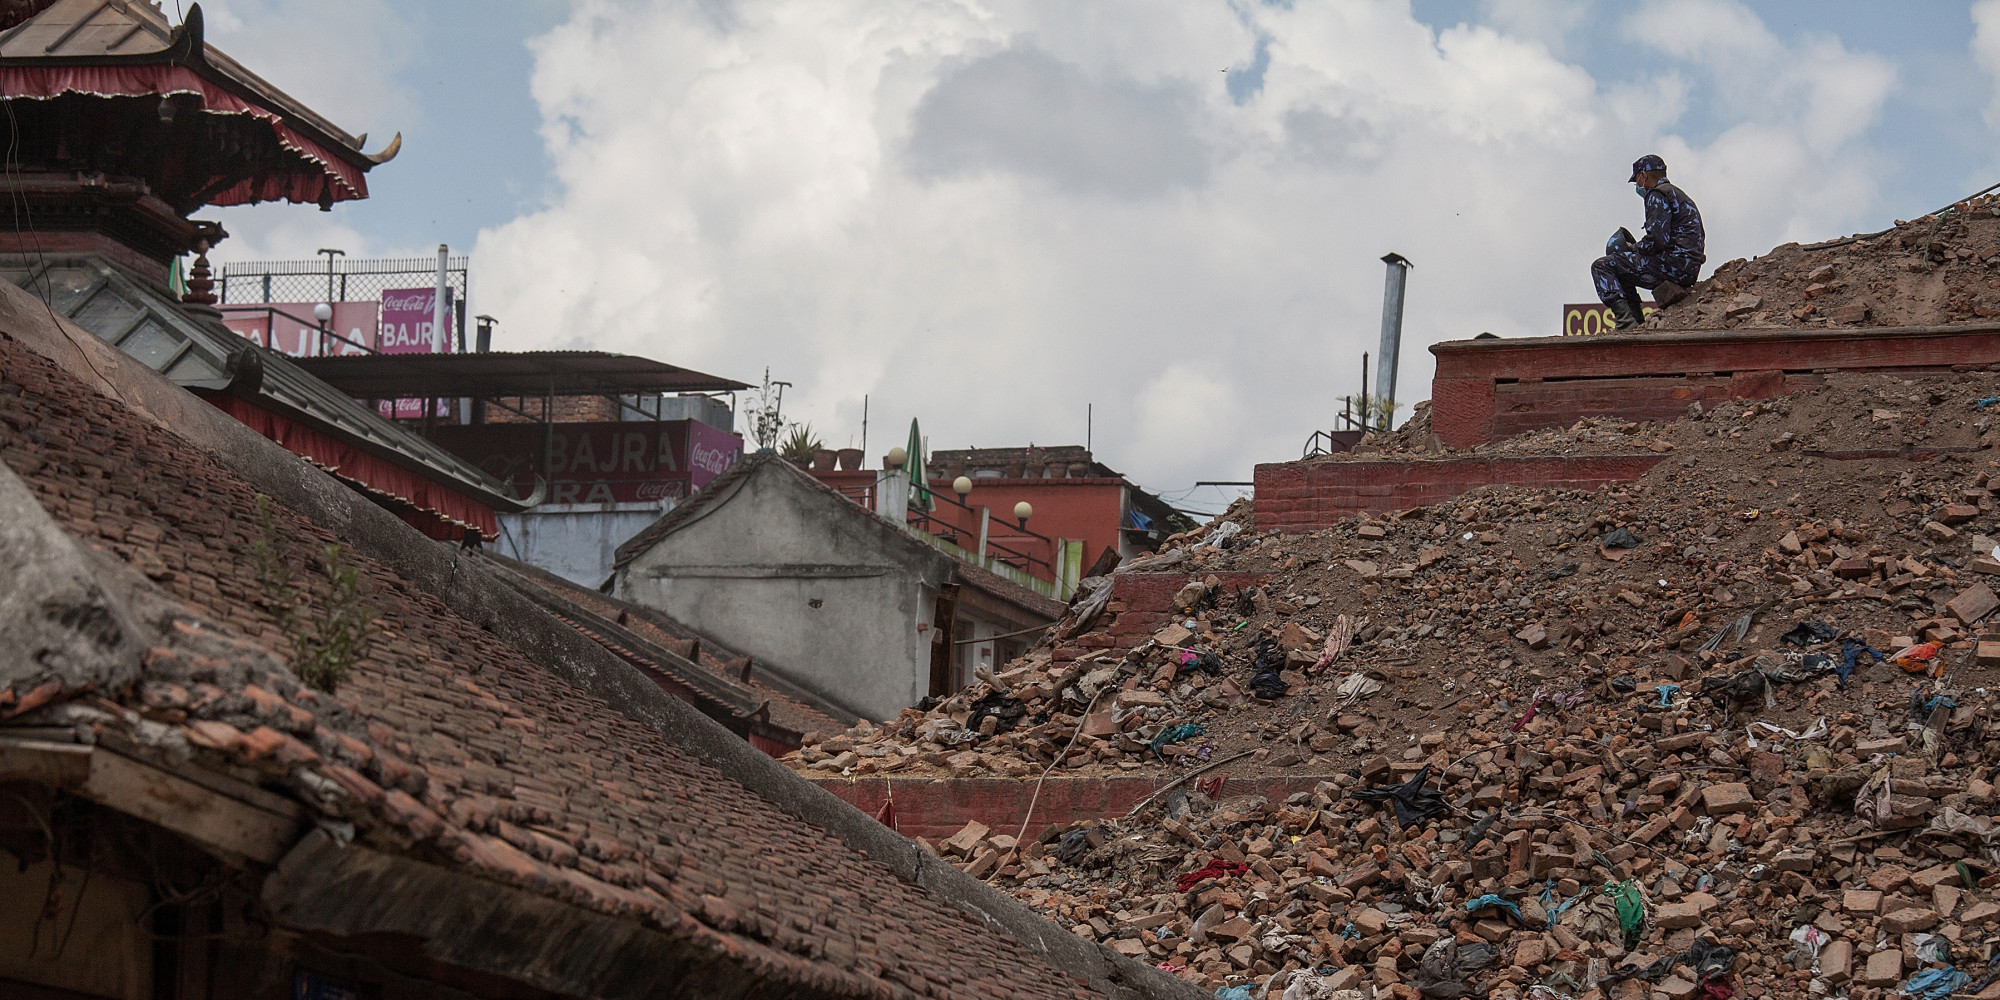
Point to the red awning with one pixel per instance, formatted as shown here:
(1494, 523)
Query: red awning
(435, 510)
(329, 173)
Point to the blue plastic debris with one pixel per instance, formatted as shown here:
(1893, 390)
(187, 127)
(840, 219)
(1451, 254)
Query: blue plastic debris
(1494, 899)
(1936, 984)
(1667, 692)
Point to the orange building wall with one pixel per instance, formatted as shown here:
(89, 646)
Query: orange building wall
(1087, 509)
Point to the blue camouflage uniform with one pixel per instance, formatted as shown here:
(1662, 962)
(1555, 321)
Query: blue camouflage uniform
(1672, 250)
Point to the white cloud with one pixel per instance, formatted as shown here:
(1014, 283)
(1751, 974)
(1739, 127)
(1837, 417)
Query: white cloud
(988, 214)
(1986, 48)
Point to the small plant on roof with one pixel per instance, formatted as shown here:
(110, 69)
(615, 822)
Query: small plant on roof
(328, 630)
(799, 445)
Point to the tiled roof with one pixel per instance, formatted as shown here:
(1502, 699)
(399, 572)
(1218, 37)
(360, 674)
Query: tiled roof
(448, 744)
(645, 635)
(140, 320)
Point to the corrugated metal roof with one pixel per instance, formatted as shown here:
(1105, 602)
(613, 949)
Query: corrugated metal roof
(144, 323)
(508, 373)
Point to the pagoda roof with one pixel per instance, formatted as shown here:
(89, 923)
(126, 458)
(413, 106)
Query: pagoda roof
(128, 48)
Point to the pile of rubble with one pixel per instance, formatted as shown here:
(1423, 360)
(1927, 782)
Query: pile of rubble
(1935, 270)
(1363, 636)
(1721, 729)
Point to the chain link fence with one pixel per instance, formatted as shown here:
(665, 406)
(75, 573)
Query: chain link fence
(356, 280)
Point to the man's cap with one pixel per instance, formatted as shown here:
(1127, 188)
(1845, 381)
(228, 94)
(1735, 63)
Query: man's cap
(1645, 163)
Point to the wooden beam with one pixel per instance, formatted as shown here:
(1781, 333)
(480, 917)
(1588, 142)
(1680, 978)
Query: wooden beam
(220, 823)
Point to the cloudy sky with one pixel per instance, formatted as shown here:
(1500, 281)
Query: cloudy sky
(988, 214)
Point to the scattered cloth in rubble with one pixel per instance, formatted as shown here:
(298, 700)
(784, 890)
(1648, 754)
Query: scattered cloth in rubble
(1667, 692)
(1922, 709)
(1810, 633)
(1306, 984)
(1336, 642)
(1206, 661)
(1935, 984)
(1236, 992)
(1631, 909)
(1216, 868)
(1414, 800)
(1356, 685)
(1005, 708)
(1175, 734)
(1813, 732)
(1710, 960)
(1851, 651)
(1219, 538)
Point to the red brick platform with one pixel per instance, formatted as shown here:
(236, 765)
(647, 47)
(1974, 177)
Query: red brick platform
(939, 807)
(1308, 496)
(1485, 390)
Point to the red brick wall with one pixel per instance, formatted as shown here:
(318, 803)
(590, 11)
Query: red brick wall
(1533, 404)
(1307, 496)
(939, 807)
(1490, 389)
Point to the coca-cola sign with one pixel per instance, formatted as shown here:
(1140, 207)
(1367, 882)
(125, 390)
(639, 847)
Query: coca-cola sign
(407, 317)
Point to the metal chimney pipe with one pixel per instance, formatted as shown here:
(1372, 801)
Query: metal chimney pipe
(1392, 334)
(440, 339)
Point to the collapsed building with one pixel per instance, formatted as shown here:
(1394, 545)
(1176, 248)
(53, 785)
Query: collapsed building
(1663, 670)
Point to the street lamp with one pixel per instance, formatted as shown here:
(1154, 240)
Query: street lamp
(961, 486)
(1023, 511)
(322, 313)
(895, 458)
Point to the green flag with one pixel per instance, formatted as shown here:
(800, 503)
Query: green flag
(920, 497)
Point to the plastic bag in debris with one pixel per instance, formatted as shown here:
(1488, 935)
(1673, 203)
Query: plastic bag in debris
(1446, 965)
(1072, 847)
(1235, 992)
(1810, 633)
(1951, 821)
(1747, 686)
(1935, 984)
(1219, 537)
(1414, 800)
(1265, 682)
(1631, 909)
(1932, 949)
(1006, 708)
(1707, 958)
(1809, 940)
(1206, 661)
(1798, 669)
(1621, 538)
(1918, 658)
(1494, 899)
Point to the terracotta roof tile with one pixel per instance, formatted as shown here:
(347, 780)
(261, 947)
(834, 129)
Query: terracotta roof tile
(446, 742)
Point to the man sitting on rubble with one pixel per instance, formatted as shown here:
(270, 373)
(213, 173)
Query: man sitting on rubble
(1668, 259)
